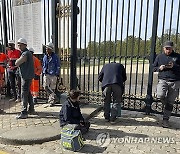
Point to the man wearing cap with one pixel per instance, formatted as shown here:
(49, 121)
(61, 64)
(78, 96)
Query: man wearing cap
(13, 76)
(26, 67)
(35, 81)
(51, 70)
(167, 64)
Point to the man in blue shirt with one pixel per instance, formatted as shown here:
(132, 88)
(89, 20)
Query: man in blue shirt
(51, 70)
(167, 64)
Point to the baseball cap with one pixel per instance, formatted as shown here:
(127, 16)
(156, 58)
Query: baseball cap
(11, 42)
(50, 45)
(31, 50)
(22, 40)
(168, 44)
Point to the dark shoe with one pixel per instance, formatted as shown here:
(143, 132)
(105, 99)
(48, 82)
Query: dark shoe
(35, 101)
(12, 99)
(113, 121)
(1, 111)
(107, 120)
(165, 124)
(51, 105)
(22, 116)
(56, 100)
(31, 111)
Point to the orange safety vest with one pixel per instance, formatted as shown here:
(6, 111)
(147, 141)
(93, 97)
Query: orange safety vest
(37, 66)
(35, 83)
(3, 59)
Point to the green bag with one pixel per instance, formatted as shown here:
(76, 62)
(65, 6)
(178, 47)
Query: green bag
(71, 139)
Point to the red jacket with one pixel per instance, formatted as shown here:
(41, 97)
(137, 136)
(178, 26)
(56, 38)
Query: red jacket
(3, 59)
(13, 55)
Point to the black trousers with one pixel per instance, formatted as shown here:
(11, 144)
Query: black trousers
(13, 79)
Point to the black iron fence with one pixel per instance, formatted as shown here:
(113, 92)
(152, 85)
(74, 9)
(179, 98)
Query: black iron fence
(127, 31)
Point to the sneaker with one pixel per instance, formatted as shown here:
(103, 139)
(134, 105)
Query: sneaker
(17, 100)
(51, 102)
(12, 99)
(22, 116)
(165, 124)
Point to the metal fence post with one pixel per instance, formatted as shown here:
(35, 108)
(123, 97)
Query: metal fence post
(74, 10)
(4, 23)
(54, 25)
(5, 38)
(149, 98)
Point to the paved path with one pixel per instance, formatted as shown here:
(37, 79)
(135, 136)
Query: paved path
(134, 132)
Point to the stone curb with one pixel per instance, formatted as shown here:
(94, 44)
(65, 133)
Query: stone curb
(53, 133)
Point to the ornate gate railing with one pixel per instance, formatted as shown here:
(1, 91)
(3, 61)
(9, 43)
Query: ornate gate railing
(127, 31)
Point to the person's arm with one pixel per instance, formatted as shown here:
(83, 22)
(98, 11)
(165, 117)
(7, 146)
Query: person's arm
(81, 116)
(156, 65)
(38, 67)
(21, 60)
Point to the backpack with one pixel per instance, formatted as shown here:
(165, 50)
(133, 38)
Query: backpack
(71, 139)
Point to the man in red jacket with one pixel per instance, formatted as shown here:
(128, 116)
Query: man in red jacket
(12, 70)
(3, 60)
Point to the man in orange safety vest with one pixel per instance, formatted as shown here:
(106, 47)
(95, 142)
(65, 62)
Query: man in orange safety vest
(35, 81)
(3, 61)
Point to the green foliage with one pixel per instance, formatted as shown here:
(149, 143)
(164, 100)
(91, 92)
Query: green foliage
(130, 46)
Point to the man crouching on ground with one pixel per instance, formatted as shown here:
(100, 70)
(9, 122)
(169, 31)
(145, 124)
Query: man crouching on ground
(70, 113)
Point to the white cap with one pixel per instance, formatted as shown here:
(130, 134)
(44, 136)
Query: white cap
(50, 45)
(31, 49)
(22, 40)
(11, 42)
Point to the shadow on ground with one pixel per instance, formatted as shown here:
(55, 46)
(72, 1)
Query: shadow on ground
(140, 120)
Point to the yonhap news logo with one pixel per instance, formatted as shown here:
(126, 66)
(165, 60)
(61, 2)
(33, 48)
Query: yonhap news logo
(104, 139)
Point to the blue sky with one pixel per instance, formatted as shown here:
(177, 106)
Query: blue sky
(96, 24)
(111, 27)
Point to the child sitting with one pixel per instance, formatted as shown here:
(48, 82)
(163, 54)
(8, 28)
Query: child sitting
(70, 113)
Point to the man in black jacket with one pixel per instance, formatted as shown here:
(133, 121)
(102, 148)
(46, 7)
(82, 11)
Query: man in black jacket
(167, 65)
(112, 76)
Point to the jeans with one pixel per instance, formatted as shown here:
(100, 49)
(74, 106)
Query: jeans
(167, 91)
(50, 86)
(26, 95)
(115, 91)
